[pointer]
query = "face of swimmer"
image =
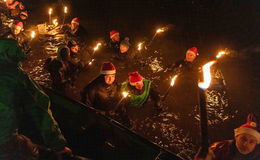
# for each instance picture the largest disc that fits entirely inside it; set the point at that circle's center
(245, 143)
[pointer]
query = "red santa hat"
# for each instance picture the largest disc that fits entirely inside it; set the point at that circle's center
(134, 77)
(193, 50)
(17, 23)
(113, 33)
(75, 20)
(108, 68)
(250, 127)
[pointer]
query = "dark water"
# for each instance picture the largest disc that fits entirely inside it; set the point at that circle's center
(177, 132)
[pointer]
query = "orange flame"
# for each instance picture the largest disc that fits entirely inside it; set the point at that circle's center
(55, 22)
(125, 94)
(220, 54)
(50, 11)
(140, 46)
(160, 30)
(97, 46)
(173, 80)
(33, 34)
(206, 75)
(65, 9)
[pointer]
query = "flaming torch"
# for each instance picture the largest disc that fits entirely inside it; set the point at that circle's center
(168, 89)
(203, 110)
(96, 48)
(124, 95)
(91, 62)
(55, 22)
(140, 46)
(50, 13)
(158, 31)
(33, 34)
(220, 54)
(65, 11)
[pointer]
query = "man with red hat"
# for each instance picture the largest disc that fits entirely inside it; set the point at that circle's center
(75, 30)
(141, 93)
(114, 40)
(185, 90)
(16, 33)
(245, 146)
(102, 92)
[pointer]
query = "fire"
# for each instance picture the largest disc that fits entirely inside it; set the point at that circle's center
(90, 63)
(55, 22)
(4, 0)
(50, 11)
(140, 46)
(65, 9)
(160, 30)
(206, 75)
(173, 80)
(33, 34)
(125, 94)
(97, 46)
(220, 54)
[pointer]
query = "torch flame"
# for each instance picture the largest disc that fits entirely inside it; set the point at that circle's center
(50, 11)
(160, 30)
(206, 75)
(140, 46)
(97, 46)
(173, 80)
(4, 0)
(33, 34)
(65, 9)
(125, 94)
(55, 22)
(90, 63)
(220, 54)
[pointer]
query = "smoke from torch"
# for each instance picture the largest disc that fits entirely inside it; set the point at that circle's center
(206, 75)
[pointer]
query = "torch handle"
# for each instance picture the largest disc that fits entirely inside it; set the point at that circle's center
(166, 94)
(203, 124)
